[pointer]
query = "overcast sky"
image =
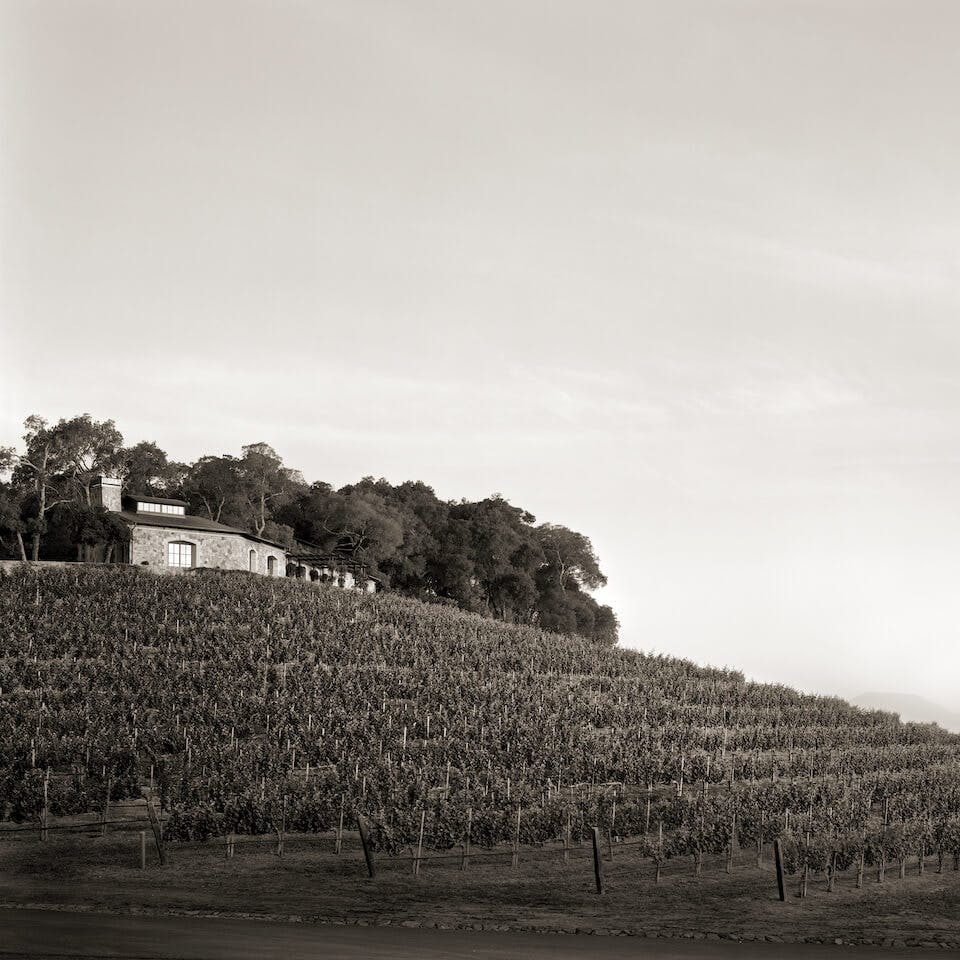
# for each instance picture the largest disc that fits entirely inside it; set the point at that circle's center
(680, 275)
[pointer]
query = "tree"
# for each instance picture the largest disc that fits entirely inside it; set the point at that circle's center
(41, 470)
(420, 515)
(90, 527)
(144, 468)
(486, 556)
(94, 450)
(513, 597)
(212, 485)
(12, 502)
(495, 541)
(61, 463)
(451, 570)
(265, 484)
(369, 529)
(569, 556)
(279, 533)
(606, 626)
(355, 523)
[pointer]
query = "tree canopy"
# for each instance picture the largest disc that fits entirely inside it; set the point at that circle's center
(488, 556)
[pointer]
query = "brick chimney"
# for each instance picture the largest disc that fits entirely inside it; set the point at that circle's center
(105, 492)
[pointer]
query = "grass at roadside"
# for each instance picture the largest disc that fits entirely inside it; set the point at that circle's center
(543, 892)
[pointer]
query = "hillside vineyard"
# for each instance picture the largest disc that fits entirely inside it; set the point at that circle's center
(244, 700)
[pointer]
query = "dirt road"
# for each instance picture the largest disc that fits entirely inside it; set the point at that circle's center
(53, 935)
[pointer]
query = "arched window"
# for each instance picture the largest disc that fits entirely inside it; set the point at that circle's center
(253, 561)
(180, 553)
(271, 566)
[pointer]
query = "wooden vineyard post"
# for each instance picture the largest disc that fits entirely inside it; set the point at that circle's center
(805, 875)
(656, 878)
(831, 876)
(778, 859)
(566, 840)
(45, 812)
(515, 859)
(143, 849)
(734, 843)
(156, 826)
(760, 841)
(106, 805)
(416, 862)
(339, 843)
(610, 833)
(367, 850)
(465, 855)
(882, 868)
(699, 867)
(281, 829)
(597, 864)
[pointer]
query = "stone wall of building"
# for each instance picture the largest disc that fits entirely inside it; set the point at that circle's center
(224, 551)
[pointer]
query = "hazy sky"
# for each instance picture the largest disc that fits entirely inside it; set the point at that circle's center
(682, 275)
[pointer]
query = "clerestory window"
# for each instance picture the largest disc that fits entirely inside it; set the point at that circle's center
(170, 508)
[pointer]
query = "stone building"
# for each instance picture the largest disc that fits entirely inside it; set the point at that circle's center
(164, 537)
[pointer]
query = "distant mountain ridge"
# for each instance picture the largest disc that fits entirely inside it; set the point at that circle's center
(911, 708)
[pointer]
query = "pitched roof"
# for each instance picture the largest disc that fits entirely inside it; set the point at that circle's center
(173, 521)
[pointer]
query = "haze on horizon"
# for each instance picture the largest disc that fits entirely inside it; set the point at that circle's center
(681, 276)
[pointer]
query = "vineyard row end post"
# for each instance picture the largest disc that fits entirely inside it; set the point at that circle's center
(597, 862)
(367, 849)
(778, 858)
